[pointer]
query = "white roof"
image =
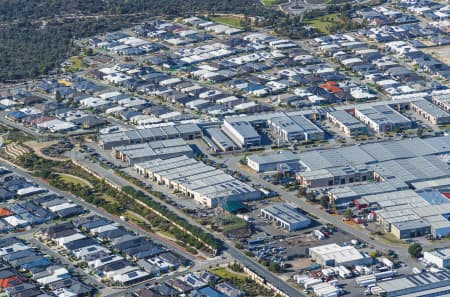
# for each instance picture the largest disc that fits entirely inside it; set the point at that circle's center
(28, 190)
(15, 221)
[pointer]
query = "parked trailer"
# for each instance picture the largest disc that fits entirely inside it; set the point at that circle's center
(365, 281)
(319, 287)
(311, 282)
(334, 282)
(330, 291)
(385, 274)
(344, 272)
(327, 272)
(300, 279)
(363, 270)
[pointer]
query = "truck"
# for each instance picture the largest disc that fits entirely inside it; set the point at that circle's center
(318, 234)
(388, 263)
(344, 272)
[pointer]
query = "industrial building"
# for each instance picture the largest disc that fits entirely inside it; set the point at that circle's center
(220, 139)
(382, 118)
(336, 255)
(441, 99)
(373, 153)
(333, 176)
(285, 216)
(424, 284)
(163, 149)
(409, 214)
(242, 133)
(289, 128)
(438, 257)
(205, 184)
(346, 194)
(271, 162)
(346, 123)
(185, 131)
(430, 112)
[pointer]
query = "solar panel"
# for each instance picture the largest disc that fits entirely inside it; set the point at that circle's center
(132, 274)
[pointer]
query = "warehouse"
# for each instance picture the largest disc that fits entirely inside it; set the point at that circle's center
(185, 131)
(220, 139)
(347, 123)
(347, 194)
(271, 162)
(333, 176)
(422, 284)
(242, 133)
(409, 214)
(430, 112)
(336, 255)
(378, 152)
(163, 149)
(438, 257)
(412, 169)
(205, 184)
(383, 118)
(295, 128)
(442, 100)
(286, 216)
(410, 228)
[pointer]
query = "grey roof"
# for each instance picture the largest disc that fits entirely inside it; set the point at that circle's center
(347, 119)
(220, 138)
(383, 114)
(286, 213)
(431, 109)
(277, 157)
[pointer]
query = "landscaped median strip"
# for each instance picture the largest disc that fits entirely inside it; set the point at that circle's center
(125, 197)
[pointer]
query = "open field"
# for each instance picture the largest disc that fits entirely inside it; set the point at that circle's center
(71, 179)
(226, 273)
(269, 3)
(229, 20)
(322, 23)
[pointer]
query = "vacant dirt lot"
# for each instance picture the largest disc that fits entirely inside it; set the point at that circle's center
(441, 53)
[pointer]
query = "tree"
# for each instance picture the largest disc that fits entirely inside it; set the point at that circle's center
(415, 250)
(373, 254)
(302, 192)
(349, 213)
(275, 267)
(324, 201)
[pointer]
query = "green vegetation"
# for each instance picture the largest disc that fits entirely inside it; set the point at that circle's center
(73, 180)
(269, 3)
(242, 281)
(415, 250)
(233, 21)
(76, 63)
(225, 273)
(232, 223)
(324, 23)
(118, 202)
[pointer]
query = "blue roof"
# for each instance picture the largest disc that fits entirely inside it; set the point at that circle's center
(433, 197)
(16, 114)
